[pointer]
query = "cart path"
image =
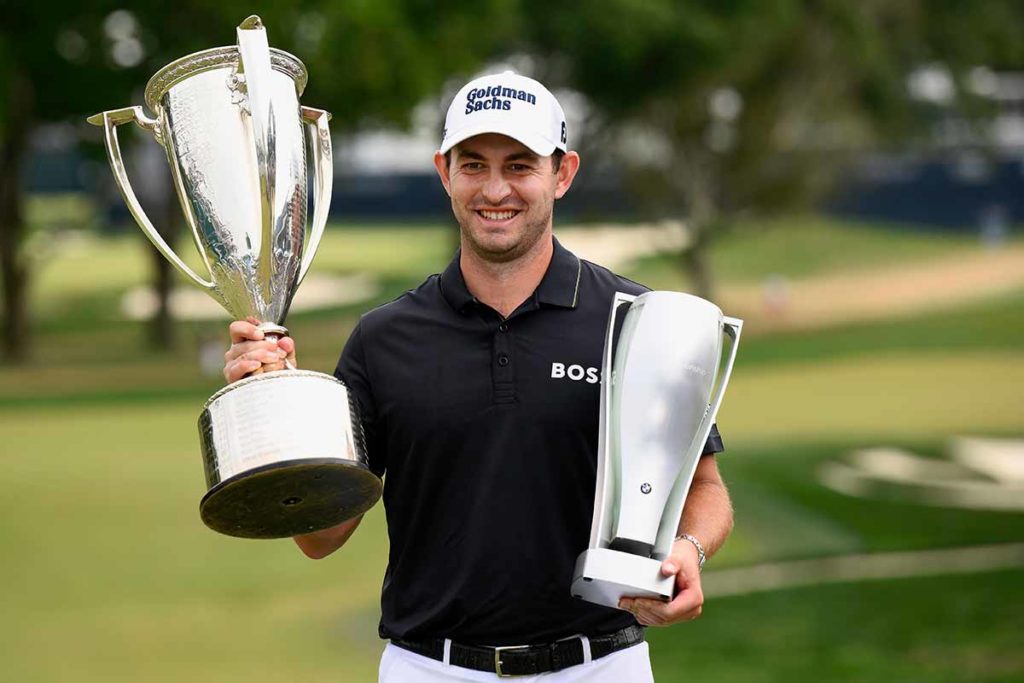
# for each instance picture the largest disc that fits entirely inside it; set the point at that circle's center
(862, 567)
(886, 292)
(827, 299)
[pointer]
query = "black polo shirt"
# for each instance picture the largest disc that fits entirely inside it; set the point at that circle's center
(486, 429)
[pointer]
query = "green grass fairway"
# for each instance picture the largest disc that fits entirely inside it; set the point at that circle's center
(994, 324)
(109, 574)
(897, 395)
(784, 513)
(803, 246)
(108, 564)
(946, 629)
(109, 559)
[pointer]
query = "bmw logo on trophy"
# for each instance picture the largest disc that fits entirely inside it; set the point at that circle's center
(283, 451)
(658, 402)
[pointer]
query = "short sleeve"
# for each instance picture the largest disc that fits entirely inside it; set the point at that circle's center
(714, 443)
(353, 371)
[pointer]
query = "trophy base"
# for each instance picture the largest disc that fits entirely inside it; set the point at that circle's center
(604, 576)
(284, 455)
(289, 498)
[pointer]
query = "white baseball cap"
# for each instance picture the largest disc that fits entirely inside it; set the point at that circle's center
(509, 104)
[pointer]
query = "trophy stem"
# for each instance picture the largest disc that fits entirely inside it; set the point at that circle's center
(272, 330)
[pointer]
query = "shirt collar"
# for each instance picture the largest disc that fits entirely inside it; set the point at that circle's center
(561, 283)
(559, 286)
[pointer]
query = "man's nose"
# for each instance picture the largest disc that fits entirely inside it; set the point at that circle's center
(496, 189)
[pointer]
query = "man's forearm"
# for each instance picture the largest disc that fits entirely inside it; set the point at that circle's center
(707, 514)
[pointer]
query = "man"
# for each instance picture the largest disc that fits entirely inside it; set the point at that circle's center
(488, 452)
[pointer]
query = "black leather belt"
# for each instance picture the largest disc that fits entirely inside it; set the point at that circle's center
(525, 660)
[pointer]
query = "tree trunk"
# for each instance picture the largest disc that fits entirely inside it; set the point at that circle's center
(702, 218)
(14, 271)
(696, 261)
(162, 334)
(161, 325)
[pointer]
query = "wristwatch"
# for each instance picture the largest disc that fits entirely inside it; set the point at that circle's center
(701, 557)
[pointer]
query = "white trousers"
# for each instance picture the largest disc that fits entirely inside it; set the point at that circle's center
(632, 665)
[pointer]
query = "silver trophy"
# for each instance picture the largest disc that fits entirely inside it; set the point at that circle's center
(659, 399)
(283, 451)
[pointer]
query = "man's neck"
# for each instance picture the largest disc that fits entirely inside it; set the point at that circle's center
(503, 286)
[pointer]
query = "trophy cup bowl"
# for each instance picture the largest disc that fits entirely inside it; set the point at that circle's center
(283, 451)
(658, 403)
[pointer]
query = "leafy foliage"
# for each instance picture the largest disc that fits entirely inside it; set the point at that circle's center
(369, 62)
(722, 108)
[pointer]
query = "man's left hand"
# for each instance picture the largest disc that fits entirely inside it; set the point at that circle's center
(689, 599)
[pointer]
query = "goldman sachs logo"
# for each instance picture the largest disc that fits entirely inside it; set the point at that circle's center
(496, 97)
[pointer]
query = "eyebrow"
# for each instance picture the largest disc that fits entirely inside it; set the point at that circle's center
(523, 156)
(518, 156)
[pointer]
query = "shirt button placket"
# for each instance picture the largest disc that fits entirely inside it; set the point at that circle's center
(504, 386)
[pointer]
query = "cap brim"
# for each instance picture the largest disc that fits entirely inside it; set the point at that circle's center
(537, 144)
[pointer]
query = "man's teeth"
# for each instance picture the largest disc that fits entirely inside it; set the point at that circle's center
(498, 215)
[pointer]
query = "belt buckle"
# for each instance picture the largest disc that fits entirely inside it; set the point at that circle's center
(497, 659)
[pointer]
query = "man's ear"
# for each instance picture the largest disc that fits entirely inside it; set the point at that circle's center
(566, 172)
(441, 164)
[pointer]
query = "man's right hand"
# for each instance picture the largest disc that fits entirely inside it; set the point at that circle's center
(251, 353)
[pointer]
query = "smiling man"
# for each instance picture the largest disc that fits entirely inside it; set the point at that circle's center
(504, 214)
(479, 397)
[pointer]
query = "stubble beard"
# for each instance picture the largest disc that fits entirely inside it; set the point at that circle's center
(531, 235)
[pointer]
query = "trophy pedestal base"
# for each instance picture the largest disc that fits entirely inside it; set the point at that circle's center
(284, 455)
(289, 498)
(604, 576)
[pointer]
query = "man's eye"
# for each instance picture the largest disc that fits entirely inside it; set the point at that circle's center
(519, 168)
(472, 166)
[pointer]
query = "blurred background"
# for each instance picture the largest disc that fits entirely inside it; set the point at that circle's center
(847, 176)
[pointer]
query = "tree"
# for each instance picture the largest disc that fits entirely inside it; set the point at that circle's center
(60, 61)
(369, 63)
(739, 106)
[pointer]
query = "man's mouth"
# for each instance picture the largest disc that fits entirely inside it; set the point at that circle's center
(503, 215)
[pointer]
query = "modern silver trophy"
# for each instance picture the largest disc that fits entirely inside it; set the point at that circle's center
(283, 451)
(659, 399)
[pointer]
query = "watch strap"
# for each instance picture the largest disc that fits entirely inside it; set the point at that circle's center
(701, 556)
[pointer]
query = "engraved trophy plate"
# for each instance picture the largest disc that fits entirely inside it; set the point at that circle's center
(283, 451)
(658, 403)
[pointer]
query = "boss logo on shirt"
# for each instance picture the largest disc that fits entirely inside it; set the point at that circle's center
(576, 373)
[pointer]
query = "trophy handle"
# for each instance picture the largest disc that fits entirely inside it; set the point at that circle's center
(323, 180)
(732, 327)
(110, 120)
